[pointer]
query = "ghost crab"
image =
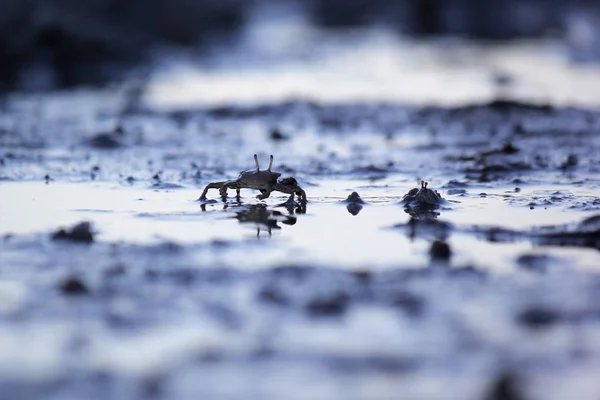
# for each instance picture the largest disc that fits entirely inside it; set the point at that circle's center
(423, 197)
(266, 181)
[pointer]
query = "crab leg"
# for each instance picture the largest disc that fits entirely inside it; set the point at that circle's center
(302, 195)
(270, 163)
(212, 185)
(229, 185)
(256, 161)
(264, 194)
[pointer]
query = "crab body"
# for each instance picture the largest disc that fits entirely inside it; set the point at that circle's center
(422, 197)
(252, 179)
(266, 181)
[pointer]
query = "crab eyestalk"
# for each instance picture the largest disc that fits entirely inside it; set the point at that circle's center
(270, 163)
(256, 162)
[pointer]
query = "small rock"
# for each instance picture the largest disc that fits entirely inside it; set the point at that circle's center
(502, 79)
(273, 295)
(82, 233)
(570, 162)
(409, 302)
(509, 148)
(277, 136)
(454, 184)
(354, 197)
(538, 318)
(333, 305)
(105, 141)
(74, 287)
(114, 271)
(456, 191)
(505, 387)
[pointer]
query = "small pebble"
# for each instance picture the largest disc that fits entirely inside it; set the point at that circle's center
(538, 318)
(505, 387)
(277, 136)
(329, 306)
(74, 287)
(82, 233)
(354, 197)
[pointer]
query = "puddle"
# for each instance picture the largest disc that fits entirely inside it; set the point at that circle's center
(327, 234)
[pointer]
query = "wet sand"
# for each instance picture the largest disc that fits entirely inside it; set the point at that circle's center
(164, 296)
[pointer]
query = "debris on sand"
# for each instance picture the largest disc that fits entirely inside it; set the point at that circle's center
(73, 286)
(277, 136)
(107, 141)
(538, 317)
(505, 387)
(331, 305)
(80, 233)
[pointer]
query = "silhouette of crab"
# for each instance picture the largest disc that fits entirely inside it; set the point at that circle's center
(266, 181)
(423, 197)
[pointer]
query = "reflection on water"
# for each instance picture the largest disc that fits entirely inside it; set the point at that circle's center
(354, 208)
(422, 213)
(263, 217)
(290, 205)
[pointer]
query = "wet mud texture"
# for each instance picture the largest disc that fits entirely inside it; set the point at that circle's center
(83, 317)
(47, 44)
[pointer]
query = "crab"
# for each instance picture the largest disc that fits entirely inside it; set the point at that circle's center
(423, 197)
(266, 181)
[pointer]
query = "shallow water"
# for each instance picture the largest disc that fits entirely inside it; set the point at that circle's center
(327, 234)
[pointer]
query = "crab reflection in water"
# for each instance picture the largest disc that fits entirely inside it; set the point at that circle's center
(263, 217)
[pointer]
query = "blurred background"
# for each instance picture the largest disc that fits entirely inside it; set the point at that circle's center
(53, 44)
